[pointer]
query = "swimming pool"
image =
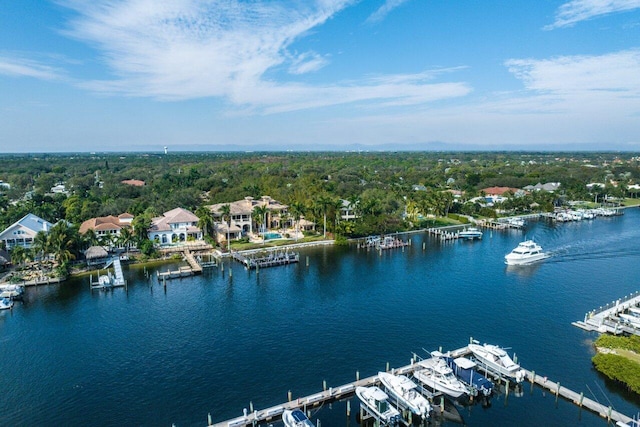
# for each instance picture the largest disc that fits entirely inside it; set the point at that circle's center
(272, 235)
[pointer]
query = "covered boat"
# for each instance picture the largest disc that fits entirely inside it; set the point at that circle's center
(465, 369)
(296, 418)
(405, 392)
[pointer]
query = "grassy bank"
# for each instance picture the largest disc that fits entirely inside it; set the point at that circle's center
(619, 359)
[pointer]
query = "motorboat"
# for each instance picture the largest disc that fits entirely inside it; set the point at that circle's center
(516, 222)
(526, 252)
(465, 369)
(435, 374)
(497, 360)
(470, 233)
(376, 402)
(13, 292)
(6, 303)
(406, 393)
(296, 418)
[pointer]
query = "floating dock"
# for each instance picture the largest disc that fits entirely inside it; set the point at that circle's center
(607, 319)
(273, 413)
(109, 281)
(268, 259)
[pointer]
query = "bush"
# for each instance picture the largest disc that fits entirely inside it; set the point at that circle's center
(619, 368)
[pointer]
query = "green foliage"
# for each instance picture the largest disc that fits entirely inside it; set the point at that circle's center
(619, 368)
(631, 343)
(341, 241)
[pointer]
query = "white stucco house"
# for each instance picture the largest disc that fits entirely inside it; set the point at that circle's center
(176, 225)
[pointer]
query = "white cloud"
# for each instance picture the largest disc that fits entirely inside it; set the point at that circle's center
(384, 10)
(189, 49)
(307, 62)
(581, 10)
(21, 67)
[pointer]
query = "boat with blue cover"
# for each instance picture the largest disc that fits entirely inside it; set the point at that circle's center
(465, 369)
(296, 418)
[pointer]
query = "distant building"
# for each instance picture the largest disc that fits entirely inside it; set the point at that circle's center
(22, 232)
(549, 186)
(133, 182)
(5, 185)
(347, 212)
(497, 194)
(176, 225)
(59, 189)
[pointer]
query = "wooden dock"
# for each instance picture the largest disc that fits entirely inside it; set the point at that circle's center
(196, 268)
(606, 412)
(268, 259)
(253, 416)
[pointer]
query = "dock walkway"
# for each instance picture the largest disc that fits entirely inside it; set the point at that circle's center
(346, 390)
(606, 319)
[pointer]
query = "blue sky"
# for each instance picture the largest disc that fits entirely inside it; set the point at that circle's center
(115, 75)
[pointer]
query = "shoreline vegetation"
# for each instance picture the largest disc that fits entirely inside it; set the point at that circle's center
(618, 358)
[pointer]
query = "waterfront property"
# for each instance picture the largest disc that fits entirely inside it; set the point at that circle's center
(23, 231)
(613, 317)
(107, 227)
(176, 225)
(242, 217)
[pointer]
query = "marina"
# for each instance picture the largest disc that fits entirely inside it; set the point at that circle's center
(218, 344)
(369, 387)
(612, 318)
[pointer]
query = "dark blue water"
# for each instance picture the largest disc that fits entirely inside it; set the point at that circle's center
(214, 343)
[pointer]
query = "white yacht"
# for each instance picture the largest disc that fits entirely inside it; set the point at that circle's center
(377, 403)
(496, 359)
(526, 252)
(296, 418)
(470, 233)
(438, 376)
(405, 391)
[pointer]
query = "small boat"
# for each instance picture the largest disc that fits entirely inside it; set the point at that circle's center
(516, 222)
(470, 233)
(405, 392)
(497, 360)
(465, 369)
(13, 292)
(5, 304)
(376, 402)
(296, 418)
(438, 376)
(526, 252)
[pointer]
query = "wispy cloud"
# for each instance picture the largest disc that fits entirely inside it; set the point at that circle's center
(575, 11)
(21, 67)
(188, 49)
(384, 10)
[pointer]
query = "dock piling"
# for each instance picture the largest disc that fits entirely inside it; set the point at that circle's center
(209, 420)
(289, 396)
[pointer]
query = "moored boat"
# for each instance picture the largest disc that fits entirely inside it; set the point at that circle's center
(5, 303)
(470, 233)
(405, 392)
(436, 375)
(376, 402)
(465, 369)
(497, 360)
(296, 418)
(526, 252)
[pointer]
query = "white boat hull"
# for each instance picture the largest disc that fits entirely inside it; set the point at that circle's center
(525, 260)
(432, 384)
(403, 390)
(375, 400)
(497, 360)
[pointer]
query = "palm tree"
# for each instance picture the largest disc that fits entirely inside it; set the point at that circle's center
(61, 239)
(323, 202)
(90, 237)
(18, 255)
(260, 211)
(125, 238)
(205, 219)
(40, 244)
(225, 210)
(297, 210)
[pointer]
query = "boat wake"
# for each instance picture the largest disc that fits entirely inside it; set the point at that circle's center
(568, 256)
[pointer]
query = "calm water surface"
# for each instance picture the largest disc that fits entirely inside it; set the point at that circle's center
(213, 343)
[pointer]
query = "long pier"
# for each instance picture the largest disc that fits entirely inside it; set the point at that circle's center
(253, 416)
(607, 318)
